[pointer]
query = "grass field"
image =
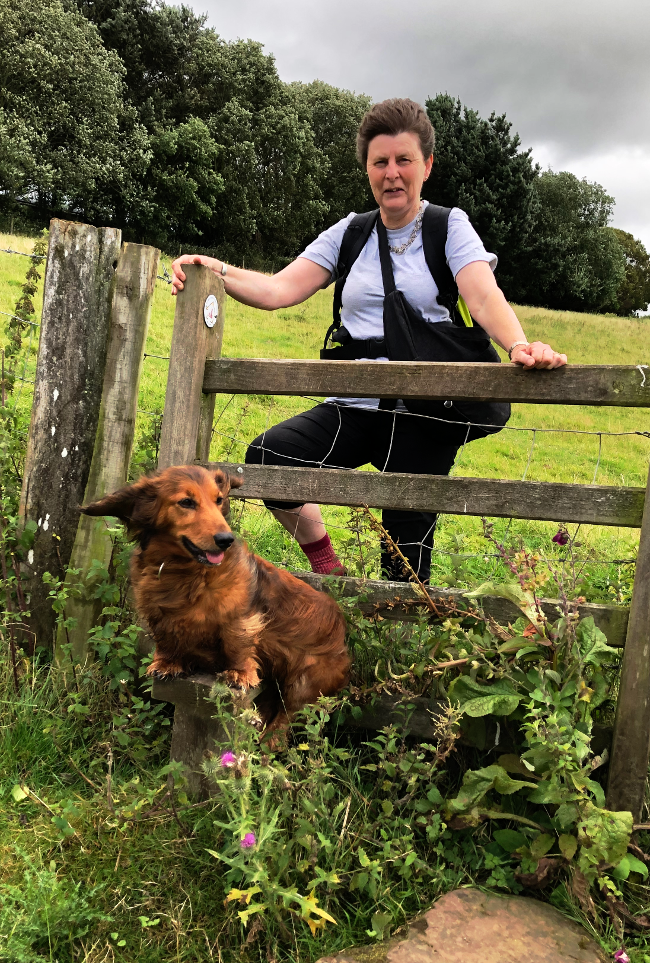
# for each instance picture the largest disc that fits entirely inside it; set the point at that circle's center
(566, 446)
(94, 866)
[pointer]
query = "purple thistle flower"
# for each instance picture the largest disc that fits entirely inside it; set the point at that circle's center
(621, 957)
(561, 538)
(248, 841)
(228, 759)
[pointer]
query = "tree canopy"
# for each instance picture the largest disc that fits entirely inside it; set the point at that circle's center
(574, 260)
(479, 167)
(68, 139)
(135, 113)
(634, 293)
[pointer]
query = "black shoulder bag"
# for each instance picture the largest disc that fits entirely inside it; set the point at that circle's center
(409, 337)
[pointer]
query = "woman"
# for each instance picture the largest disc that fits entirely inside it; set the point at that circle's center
(395, 145)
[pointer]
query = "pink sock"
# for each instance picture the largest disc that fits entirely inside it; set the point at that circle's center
(322, 557)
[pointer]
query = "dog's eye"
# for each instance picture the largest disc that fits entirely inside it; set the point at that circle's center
(220, 500)
(187, 503)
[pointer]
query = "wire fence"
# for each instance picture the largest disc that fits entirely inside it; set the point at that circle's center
(352, 527)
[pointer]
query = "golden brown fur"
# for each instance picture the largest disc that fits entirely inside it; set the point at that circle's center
(241, 615)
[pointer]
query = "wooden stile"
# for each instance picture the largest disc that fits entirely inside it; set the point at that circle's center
(135, 282)
(77, 297)
(192, 342)
(402, 601)
(491, 497)
(618, 385)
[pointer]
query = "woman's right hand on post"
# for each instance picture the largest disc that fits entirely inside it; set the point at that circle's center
(179, 275)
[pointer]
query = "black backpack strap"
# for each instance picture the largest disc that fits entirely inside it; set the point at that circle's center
(354, 240)
(434, 238)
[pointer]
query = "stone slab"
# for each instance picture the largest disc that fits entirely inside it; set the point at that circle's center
(469, 926)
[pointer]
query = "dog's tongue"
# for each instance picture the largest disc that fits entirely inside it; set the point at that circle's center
(214, 558)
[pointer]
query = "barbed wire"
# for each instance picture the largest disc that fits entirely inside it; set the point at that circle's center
(36, 257)
(16, 317)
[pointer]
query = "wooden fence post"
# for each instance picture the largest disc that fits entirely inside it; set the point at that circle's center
(628, 767)
(135, 281)
(198, 331)
(79, 281)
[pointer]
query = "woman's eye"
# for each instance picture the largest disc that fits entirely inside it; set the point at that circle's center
(187, 503)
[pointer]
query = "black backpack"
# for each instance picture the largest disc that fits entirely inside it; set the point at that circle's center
(459, 339)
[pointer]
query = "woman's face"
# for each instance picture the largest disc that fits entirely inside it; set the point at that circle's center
(397, 170)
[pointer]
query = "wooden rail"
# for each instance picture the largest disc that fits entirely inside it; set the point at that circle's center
(539, 501)
(617, 385)
(402, 601)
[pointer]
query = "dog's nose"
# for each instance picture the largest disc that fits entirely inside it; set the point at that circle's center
(224, 540)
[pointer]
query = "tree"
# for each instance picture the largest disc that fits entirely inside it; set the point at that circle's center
(479, 167)
(575, 261)
(334, 116)
(251, 184)
(67, 139)
(634, 292)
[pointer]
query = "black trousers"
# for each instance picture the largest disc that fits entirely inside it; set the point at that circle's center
(343, 436)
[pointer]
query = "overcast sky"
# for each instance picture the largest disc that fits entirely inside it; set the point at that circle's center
(573, 76)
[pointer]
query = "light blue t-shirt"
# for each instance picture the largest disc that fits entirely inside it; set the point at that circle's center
(363, 294)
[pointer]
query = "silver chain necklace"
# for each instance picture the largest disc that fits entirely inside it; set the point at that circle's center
(417, 227)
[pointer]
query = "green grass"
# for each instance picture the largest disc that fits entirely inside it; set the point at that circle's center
(92, 896)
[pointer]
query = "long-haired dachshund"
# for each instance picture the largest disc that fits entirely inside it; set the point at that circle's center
(211, 605)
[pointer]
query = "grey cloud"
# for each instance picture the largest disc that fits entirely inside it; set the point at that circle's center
(572, 76)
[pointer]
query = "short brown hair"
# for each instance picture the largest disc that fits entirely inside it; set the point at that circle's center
(399, 115)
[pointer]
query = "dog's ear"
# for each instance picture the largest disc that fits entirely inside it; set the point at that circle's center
(135, 505)
(226, 481)
(236, 481)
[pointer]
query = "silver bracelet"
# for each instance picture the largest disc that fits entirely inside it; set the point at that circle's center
(224, 269)
(515, 345)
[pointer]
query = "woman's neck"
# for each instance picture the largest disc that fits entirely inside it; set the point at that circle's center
(393, 220)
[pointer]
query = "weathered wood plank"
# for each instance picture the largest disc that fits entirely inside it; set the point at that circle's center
(135, 280)
(79, 282)
(196, 730)
(192, 341)
(628, 769)
(213, 352)
(618, 385)
(400, 601)
(494, 498)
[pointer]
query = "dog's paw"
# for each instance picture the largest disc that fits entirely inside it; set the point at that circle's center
(165, 672)
(241, 679)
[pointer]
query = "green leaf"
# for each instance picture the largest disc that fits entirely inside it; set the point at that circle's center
(637, 865)
(524, 601)
(541, 845)
(607, 835)
(509, 839)
(478, 782)
(622, 870)
(379, 922)
(475, 699)
(433, 795)
(593, 644)
(19, 793)
(568, 845)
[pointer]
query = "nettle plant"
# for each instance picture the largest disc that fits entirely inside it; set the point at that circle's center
(321, 833)
(307, 833)
(138, 724)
